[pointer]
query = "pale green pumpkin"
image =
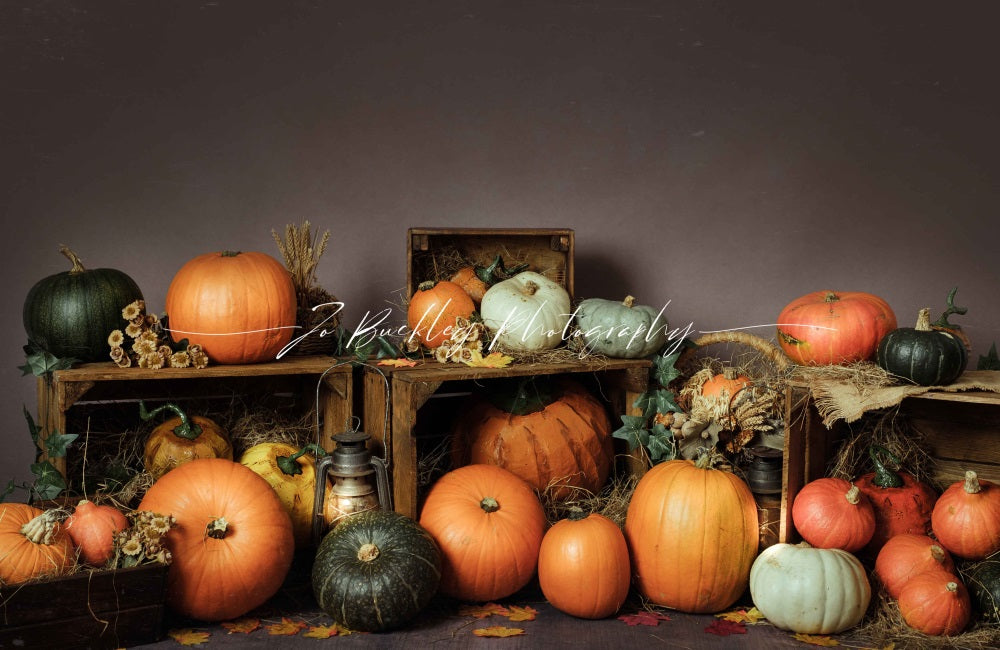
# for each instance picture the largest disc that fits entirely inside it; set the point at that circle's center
(622, 330)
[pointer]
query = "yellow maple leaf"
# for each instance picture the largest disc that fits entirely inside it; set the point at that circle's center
(747, 616)
(816, 639)
(491, 360)
(242, 625)
(498, 631)
(322, 631)
(287, 627)
(188, 636)
(398, 363)
(518, 614)
(482, 611)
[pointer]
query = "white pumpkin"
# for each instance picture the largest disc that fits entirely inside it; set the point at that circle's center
(526, 312)
(809, 590)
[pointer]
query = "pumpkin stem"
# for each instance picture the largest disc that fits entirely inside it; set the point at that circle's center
(489, 504)
(426, 285)
(923, 320)
(368, 552)
(853, 495)
(72, 257)
(287, 464)
(576, 513)
(629, 301)
(937, 553)
(729, 373)
(708, 458)
(831, 297)
(41, 529)
(217, 528)
(522, 396)
(951, 309)
(530, 287)
(972, 485)
(486, 274)
(230, 253)
(884, 477)
(952, 587)
(186, 429)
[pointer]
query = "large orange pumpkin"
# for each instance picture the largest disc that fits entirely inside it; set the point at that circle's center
(693, 534)
(556, 436)
(834, 327)
(240, 307)
(232, 544)
(488, 524)
(966, 517)
(32, 544)
(583, 565)
(432, 311)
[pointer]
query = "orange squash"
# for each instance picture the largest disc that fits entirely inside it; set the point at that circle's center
(833, 327)
(240, 307)
(32, 544)
(432, 311)
(906, 555)
(557, 436)
(693, 535)
(966, 517)
(935, 603)
(726, 383)
(488, 524)
(181, 439)
(92, 529)
(232, 544)
(583, 565)
(833, 513)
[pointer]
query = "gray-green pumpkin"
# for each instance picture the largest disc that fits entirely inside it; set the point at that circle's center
(375, 571)
(623, 330)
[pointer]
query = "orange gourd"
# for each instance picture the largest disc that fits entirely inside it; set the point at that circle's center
(966, 517)
(433, 309)
(935, 603)
(471, 283)
(232, 544)
(181, 439)
(557, 436)
(906, 555)
(240, 307)
(488, 524)
(583, 565)
(32, 544)
(693, 534)
(834, 327)
(833, 513)
(725, 385)
(92, 529)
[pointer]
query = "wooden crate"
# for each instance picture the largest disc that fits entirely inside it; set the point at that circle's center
(548, 251)
(393, 398)
(960, 430)
(292, 381)
(89, 609)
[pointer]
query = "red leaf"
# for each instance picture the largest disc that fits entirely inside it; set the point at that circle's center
(723, 627)
(644, 617)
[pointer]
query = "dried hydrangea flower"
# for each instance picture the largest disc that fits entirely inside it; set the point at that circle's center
(133, 309)
(133, 331)
(180, 359)
(116, 338)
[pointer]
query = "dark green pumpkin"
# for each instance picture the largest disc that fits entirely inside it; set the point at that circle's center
(921, 354)
(70, 314)
(375, 571)
(984, 587)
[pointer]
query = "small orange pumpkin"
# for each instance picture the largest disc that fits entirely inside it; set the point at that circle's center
(935, 603)
(467, 278)
(92, 529)
(726, 384)
(488, 524)
(583, 565)
(181, 439)
(966, 517)
(433, 309)
(32, 544)
(907, 554)
(833, 513)
(240, 307)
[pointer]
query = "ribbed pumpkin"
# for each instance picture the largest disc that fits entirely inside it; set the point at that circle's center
(907, 554)
(240, 307)
(92, 529)
(181, 439)
(292, 474)
(583, 565)
(726, 384)
(70, 314)
(375, 571)
(935, 603)
(432, 310)
(901, 503)
(984, 588)
(692, 532)
(488, 524)
(623, 329)
(554, 435)
(833, 327)
(922, 354)
(833, 513)
(966, 518)
(232, 544)
(527, 312)
(32, 544)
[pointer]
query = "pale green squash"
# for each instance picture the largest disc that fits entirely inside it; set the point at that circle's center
(622, 330)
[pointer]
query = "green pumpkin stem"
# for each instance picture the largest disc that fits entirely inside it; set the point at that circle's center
(831, 297)
(884, 477)
(522, 396)
(489, 504)
(576, 513)
(72, 257)
(217, 528)
(972, 485)
(187, 429)
(951, 309)
(230, 253)
(426, 285)
(287, 464)
(368, 552)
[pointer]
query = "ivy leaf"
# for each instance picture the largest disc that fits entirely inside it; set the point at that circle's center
(32, 427)
(498, 631)
(633, 431)
(990, 361)
(48, 481)
(189, 637)
(518, 613)
(56, 443)
(656, 401)
(242, 625)
(722, 627)
(41, 363)
(664, 371)
(661, 444)
(11, 486)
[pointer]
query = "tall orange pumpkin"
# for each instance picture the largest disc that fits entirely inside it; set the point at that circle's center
(834, 327)
(693, 534)
(432, 311)
(240, 307)
(554, 436)
(32, 544)
(488, 524)
(232, 544)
